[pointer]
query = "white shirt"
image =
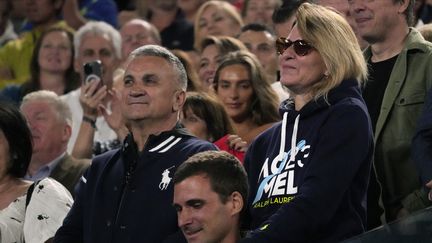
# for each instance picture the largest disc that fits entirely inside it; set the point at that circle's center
(103, 133)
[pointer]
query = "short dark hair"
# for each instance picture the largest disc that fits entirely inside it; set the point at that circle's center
(258, 27)
(225, 172)
(286, 11)
(208, 108)
(18, 135)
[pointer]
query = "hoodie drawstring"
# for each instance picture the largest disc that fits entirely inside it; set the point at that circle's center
(293, 151)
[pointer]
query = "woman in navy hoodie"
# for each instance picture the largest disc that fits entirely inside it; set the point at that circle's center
(308, 174)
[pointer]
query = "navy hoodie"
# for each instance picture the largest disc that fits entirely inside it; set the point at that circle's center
(126, 196)
(318, 192)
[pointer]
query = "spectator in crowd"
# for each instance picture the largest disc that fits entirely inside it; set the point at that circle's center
(7, 31)
(50, 122)
(77, 12)
(216, 18)
(210, 193)
(258, 11)
(15, 56)
(194, 83)
(28, 212)
(342, 7)
(260, 40)
(51, 66)
(283, 17)
(190, 8)
(136, 33)
(241, 85)
(92, 133)
(176, 32)
(212, 51)
(205, 117)
(302, 188)
(399, 65)
(111, 194)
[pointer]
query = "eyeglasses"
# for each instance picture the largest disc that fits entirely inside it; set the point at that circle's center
(301, 47)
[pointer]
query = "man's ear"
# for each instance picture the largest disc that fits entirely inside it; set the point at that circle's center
(67, 132)
(237, 203)
(179, 100)
(403, 5)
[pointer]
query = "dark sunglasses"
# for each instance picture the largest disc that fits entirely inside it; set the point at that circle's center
(301, 47)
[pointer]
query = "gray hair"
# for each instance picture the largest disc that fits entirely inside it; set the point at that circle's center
(98, 28)
(158, 51)
(61, 108)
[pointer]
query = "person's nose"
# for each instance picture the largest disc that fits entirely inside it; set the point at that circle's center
(355, 6)
(184, 217)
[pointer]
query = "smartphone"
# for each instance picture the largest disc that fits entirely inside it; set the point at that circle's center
(93, 70)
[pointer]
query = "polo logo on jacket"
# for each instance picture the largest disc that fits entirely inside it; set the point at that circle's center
(163, 185)
(277, 184)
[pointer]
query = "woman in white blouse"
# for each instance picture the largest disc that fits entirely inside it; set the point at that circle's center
(26, 215)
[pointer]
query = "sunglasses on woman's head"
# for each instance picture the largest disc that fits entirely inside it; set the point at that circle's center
(301, 47)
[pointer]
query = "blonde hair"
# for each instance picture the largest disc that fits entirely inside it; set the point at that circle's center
(226, 7)
(331, 35)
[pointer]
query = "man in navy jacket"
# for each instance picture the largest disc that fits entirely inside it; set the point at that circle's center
(126, 195)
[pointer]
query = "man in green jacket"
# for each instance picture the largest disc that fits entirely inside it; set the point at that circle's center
(400, 62)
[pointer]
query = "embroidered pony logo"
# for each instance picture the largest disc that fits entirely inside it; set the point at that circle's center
(163, 185)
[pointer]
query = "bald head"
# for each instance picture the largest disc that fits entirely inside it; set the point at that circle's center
(136, 33)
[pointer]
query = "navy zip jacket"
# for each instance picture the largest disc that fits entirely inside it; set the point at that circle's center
(308, 174)
(126, 196)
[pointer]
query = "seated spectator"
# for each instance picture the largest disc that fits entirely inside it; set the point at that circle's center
(91, 133)
(212, 50)
(302, 186)
(258, 11)
(242, 87)
(28, 212)
(50, 122)
(16, 55)
(261, 41)
(210, 193)
(194, 83)
(51, 66)
(205, 117)
(7, 31)
(216, 18)
(126, 185)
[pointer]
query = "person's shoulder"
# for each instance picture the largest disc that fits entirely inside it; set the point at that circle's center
(416, 41)
(74, 163)
(194, 143)
(72, 95)
(51, 186)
